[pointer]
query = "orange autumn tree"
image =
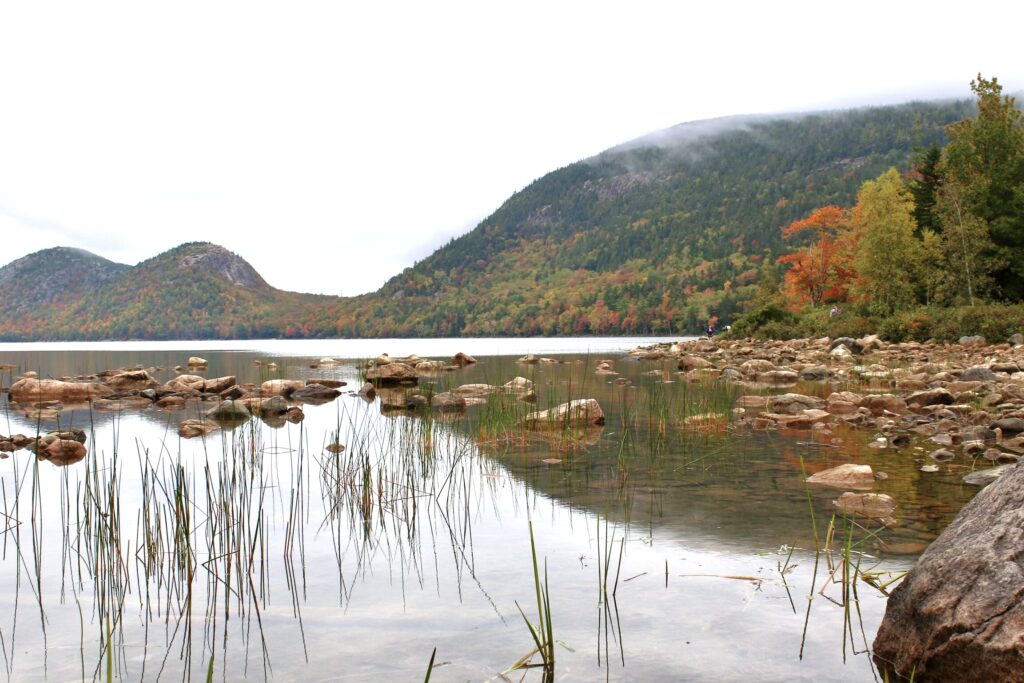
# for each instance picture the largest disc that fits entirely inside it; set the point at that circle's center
(821, 271)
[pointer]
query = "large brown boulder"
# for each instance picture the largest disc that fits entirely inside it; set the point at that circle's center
(218, 384)
(186, 383)
(391, 374)
(131, 380)
(280, 387)
(30, 390)
(959, 613)
(578, 413)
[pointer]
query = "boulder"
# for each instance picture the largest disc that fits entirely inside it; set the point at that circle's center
(942, 455)
(987, 476)
(280, 387)
(186, 383)
(756, 366)
(778, 377)
(880, 403)
(851, 344)
(850, 475)
(530, 359)
(871, 505)
(973, 340)
(518, 385)
(189, 429)
(131, 380)
(931, 397)
(330, 383)
(1009, 425)
(978, 373)
(447, 402)
(814, 373)
(314, 393)
(171, 402)
(391, 374)
(229, 411)
(218, 384)
(793, 403)
(1016, 339)
(694, 363)
(476, 390)
(197, 362)
(367, 392)
(842, 402)
(959, 613)
(840, 352)
(581, 412)
(62, 451)
(31, 390)
(463, 359)
(271, 407)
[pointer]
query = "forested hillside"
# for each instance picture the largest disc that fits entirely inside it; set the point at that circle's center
(653, 236)
(650, 237)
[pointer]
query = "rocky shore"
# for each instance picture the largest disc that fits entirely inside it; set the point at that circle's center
(966, 399)
(958, 614)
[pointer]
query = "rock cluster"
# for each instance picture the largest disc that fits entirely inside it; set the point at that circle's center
(966, 397)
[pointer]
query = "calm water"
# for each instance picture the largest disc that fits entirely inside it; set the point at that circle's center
(260, 553)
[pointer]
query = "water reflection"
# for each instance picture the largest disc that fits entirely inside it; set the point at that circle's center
(262, 550)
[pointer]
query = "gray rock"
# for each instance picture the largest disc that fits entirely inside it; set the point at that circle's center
(814, 372)
(958, 614)
(973, 340)
(273, 406)
(229, 411)
(314, 393)
(987, 476)
(447, 402)
(1009, 425)
(931, 397)
(978, 373)
(1016, 339)
(849, 342)
(942, 455)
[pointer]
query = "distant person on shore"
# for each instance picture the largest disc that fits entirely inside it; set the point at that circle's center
(834, 312)
(711, 329)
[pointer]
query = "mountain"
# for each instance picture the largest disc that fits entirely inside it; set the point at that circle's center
(53, 277)
(196, 290)
(651, 236)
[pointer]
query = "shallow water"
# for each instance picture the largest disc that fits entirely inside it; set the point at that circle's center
(276, 558)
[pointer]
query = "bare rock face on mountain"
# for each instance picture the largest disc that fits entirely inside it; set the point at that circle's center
(959, 613)
(213, 259)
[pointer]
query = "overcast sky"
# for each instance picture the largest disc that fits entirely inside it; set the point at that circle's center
(333, 144)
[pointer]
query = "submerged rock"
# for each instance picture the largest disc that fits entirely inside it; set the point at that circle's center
(189, 429)
(987, 476)
(959, 613)
(872, 505)
(849, 475)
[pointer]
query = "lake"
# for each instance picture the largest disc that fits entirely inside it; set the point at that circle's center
(359, 541)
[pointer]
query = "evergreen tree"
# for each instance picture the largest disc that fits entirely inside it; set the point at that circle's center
(985, 157)
(926, 178)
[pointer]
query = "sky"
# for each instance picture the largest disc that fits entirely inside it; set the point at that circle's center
(333, 144)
